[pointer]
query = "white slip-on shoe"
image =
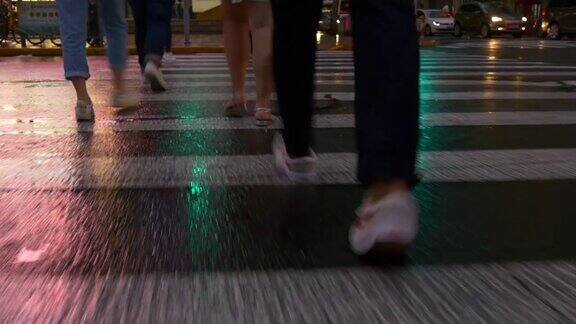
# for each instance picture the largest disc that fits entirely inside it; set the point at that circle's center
(84, 111)
(387, 226)
(299, 170)
(155, 77)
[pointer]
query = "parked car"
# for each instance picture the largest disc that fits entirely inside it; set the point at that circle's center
(436, 21)
(487, 19)
(559, 18)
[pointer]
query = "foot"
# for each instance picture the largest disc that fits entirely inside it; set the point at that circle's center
(154, 76)
(84, 111)
(299, 170)
(388, 225)
(263, 117)
(125, 100)
(235, 108)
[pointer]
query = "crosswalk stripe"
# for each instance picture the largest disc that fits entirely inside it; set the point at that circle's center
(165, 123)
(55, 173)
(104, 75)
(487, 82)
(423, 68)
(349, 96)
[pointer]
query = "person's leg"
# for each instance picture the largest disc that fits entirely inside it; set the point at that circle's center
(73, 30)
(115, 27)
(237, 46)
(386, 59)
(295, 26)
(261, 26)
(158, 13)
(139, 14)
(387, 96)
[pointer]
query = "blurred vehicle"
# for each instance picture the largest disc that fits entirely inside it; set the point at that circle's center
(559, 18)
(436, 21)
(487, 19)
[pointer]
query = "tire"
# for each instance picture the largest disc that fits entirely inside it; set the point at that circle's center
(56, 41)
(428, 30)
(457, 30)
(36, 42)
(485, 31)
(554, 31)
(517, 35)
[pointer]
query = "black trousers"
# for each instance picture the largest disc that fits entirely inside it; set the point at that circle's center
(152, 20)
(386, 59)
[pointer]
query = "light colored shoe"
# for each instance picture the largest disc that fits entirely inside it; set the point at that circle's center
(155, 77)
(263, 117)
(387, 226)
(84, 111)
(235, 110)
(299, 170)
(125, 101)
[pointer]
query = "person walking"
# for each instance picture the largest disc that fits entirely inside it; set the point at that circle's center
(243, 18)
(73, 16)
(152, 22)
(386, 59)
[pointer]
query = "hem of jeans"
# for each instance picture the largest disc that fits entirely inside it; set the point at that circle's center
(154, 58)
(369, 173)
(77, 74)
(118, 67)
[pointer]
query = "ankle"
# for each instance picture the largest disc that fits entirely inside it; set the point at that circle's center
(382, 188)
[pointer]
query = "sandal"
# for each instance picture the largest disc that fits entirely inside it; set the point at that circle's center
(235, 110)
(263, 117)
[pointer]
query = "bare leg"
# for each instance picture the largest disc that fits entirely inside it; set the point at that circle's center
(118, 80)
(237, 45)
(81, 91)
(261, 26)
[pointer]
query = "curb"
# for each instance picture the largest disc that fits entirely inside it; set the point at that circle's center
(178, 50)
(102, 51)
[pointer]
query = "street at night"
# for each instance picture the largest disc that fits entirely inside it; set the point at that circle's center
(172, 212)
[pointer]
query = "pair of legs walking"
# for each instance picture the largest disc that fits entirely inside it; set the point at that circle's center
(242, 19)
(386, 59)
(73, 15)
(152, 19)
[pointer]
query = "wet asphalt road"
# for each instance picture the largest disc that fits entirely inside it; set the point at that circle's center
(173, 213)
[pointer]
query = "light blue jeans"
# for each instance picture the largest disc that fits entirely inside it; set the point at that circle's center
(73, 15)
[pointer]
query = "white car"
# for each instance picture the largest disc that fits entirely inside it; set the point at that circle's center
(436, 21)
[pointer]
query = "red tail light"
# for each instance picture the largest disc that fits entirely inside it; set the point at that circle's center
(545, 12)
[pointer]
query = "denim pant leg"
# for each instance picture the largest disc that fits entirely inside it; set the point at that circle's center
(386, 58)
(295, 25)
(158, 15)
(113, 17)
(73, 16)
(139, 12)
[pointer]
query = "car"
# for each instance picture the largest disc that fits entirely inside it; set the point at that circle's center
(436, 21)
(487, 19)
(559, 18)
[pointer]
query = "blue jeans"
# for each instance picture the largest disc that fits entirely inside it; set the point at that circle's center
(73, 15)
(152, 19)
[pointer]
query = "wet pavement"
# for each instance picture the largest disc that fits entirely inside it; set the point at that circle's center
(174, 213)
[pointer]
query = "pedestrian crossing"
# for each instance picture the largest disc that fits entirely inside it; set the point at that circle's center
(179, 209)
(508, 43)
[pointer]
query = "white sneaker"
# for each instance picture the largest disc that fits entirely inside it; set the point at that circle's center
(154, 75)
(299, 170)
(390, 225)
(84, 111)
(125, 100)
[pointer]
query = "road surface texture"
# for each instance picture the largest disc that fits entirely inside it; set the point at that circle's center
(173, 213)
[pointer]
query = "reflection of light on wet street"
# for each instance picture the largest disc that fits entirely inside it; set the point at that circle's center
(319, 35)
(8, 108)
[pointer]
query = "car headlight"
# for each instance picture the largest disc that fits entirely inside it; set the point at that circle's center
(524, 19)
(435, 23)
(496, 19)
